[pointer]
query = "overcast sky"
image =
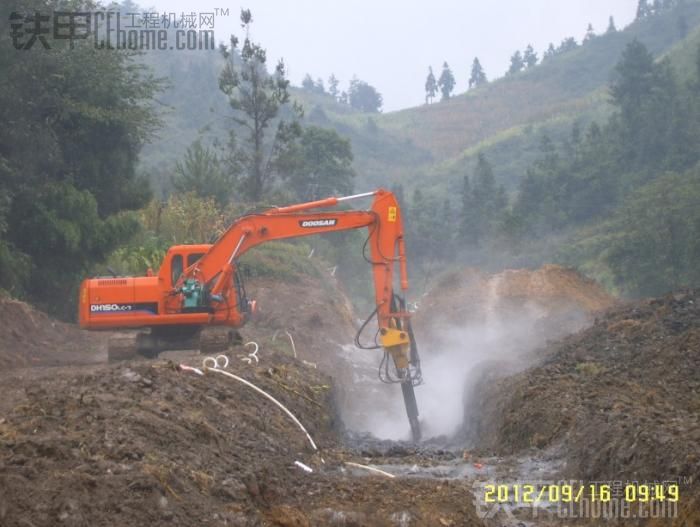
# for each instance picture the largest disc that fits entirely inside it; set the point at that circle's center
(391, 43)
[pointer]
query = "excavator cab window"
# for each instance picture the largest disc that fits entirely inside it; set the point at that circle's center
(176, 268)
(193, 258)
(243, 306)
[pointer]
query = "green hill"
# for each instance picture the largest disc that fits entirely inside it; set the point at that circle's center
(505, 119)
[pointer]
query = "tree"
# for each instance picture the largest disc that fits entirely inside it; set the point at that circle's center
(469, 215)
(643, 9)
(651, 243)
(333, 86)
(551, 51)
(256, 98)
(430, 86)
(477, 77)
(200, 172)
(76, 121)
(611, 26)
(529, 57)
(590, 34)
(516, 63)
(483, 204)
(446, 82)
(682, 25)
(319, 165)
(319, 86)
(308, 83)
(364, 97)
(650, 119)
(568, 44)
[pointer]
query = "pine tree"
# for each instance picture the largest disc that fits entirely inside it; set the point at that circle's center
(551, 51)
(529, 56)
(516, 63)
(308, 83)
(468, 215)
(319, 86)
(333, 86)
(642, 9)
(477, 77)
(682, 24)
(611, 26)
(200, 172)
(446, 83)
(590, 34)
(568, 44)
(430, 86)
(257, 98)
(483, 203)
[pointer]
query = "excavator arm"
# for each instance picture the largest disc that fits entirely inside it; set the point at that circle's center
(213, 273)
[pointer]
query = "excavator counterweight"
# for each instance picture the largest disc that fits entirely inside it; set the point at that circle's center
(198, 299)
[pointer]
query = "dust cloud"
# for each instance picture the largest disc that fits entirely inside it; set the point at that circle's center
(487, 325)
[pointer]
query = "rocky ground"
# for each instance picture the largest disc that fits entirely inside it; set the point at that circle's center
(83, 442)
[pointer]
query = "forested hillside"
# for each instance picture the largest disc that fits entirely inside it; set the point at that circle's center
(585, 156)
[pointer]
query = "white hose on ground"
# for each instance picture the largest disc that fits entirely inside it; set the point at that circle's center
(305, 468)
(254, 354)
(263, 392)
(294, 348)
(220, 361)
(185, 367)
(372, 469)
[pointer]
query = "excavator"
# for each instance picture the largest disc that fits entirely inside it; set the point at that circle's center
(198, 299)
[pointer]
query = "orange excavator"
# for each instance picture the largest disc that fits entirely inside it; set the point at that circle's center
(198, 299)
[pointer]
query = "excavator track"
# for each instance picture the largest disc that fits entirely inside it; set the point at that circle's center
(149, 345)
(122, 348)
(217, 340)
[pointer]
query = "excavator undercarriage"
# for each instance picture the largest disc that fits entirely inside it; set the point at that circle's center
(148, 344)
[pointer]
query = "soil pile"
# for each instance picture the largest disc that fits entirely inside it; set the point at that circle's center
(314, 311)
(621, 398)
(29, 337)
(143, 443)
(560, 300)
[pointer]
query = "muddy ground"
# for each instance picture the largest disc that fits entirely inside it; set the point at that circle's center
(88, 443)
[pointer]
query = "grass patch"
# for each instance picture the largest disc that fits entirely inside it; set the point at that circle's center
(280, 260)
(589, 369)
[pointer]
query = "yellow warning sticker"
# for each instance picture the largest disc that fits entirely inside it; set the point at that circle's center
(392, 215)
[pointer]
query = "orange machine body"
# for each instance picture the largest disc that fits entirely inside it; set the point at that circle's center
(110, 303)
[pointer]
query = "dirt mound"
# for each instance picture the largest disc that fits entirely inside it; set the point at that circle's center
(622, 398)
(143, 443)
(314, 311)
(29, 337)
(562, 298)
